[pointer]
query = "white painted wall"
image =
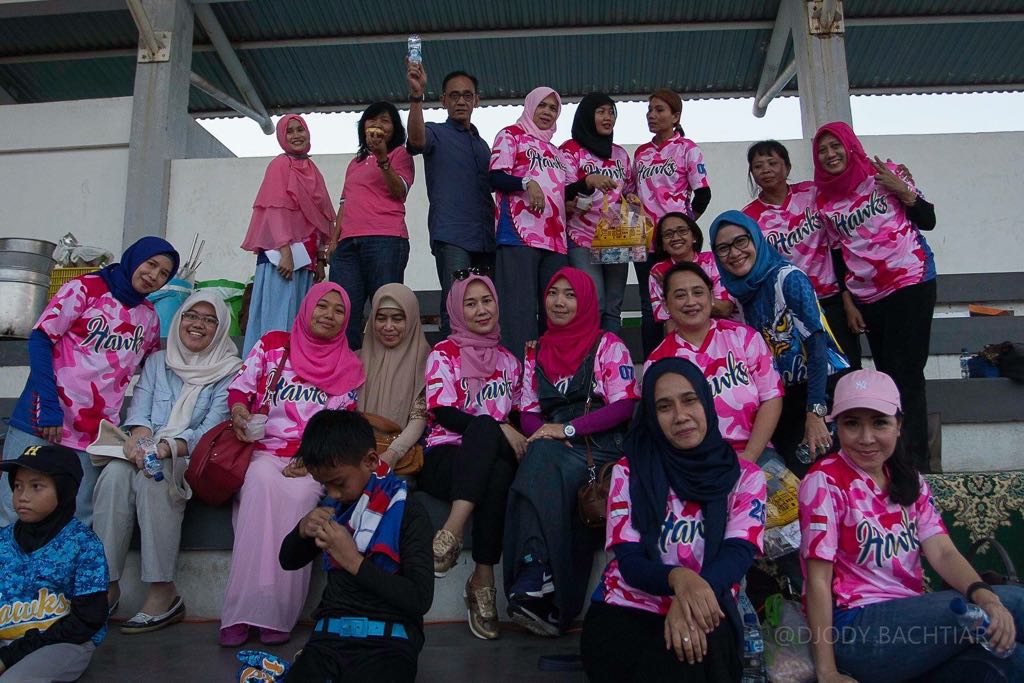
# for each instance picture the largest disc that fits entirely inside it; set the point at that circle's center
(966, 176)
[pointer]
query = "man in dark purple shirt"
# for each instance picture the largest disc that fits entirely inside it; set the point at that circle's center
(455, 158)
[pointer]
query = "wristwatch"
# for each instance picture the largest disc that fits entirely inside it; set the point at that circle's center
(819, 409)
(568, 430)
(415, 98)
(526, 181)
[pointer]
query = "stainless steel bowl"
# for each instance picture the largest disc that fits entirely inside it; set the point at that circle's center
(23, 297)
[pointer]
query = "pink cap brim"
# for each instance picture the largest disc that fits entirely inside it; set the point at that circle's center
(877, 404)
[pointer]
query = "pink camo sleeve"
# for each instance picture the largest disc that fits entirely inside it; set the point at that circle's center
(762, 367)
(620, 526)
(617, 377)
(247, 381)
(503, 153)
(819, 521)
(440, 381)
(657, 291)
(929, 519)
(66, 306)
(696, 173)
(529, 401)
(747, 506)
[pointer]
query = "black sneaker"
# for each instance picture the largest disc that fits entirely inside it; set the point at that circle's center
(534, 614)
(532, 581)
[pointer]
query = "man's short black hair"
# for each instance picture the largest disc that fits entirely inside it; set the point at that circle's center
(335, 437)
(456, 74)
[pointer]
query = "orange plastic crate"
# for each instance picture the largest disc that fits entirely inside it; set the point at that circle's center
(61, 276)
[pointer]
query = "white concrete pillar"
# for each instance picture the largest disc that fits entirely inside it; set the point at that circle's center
(160, 121)
(820, 53)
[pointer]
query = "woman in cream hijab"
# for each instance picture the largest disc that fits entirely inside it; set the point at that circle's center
(394, 355)
(181, 394)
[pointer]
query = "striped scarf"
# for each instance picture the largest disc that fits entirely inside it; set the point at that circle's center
(375, 520)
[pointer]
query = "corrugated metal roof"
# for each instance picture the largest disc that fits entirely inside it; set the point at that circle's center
(352, 51)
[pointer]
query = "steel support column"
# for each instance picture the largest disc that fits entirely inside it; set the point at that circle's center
(160, 122)
(820, 57)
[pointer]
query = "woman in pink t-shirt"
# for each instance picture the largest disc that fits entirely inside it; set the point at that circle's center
(670, 176)
(734, 358)
(876, 217)
(678, 239)
(685, 521)
(866, 519)
(291, 377)
(529, 175)
(472, 451)
(370, 246)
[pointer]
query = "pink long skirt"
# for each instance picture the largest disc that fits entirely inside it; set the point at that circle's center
(268, 507)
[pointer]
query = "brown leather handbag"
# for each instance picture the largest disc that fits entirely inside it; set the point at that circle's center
(385, 432)
(592, 497)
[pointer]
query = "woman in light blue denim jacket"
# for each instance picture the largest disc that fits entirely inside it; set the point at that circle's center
(181, 394)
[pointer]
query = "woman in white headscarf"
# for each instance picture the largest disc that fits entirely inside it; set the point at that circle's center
(181, 394)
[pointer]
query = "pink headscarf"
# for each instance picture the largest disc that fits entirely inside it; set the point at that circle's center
(478, 354)
(536, 96)
(327, 363)
(291, 182)
(858, 166)
(563, 348)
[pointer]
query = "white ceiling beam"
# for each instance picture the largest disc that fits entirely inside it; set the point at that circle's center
(781, 32)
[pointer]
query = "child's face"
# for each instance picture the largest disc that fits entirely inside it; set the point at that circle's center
(344, 482)
(35, 495)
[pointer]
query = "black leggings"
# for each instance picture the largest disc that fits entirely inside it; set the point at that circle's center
(480, 471)
(621, 644)
(342, 660)
(899, 332)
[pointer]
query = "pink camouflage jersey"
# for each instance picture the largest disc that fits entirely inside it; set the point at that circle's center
(292, 401)
(666, 175)
(614, 375)
(682, 533)
(522, 155)
(874, 545)
(883, 250)
(656, 283)
(797, 231)
(738, 365)
(98, 343)
(581, 162)
(446, 388)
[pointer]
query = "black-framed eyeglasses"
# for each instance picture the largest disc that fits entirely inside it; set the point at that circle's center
(464, 95)
(207, 320)
(739, 244)
(674, 233)
(463, 273)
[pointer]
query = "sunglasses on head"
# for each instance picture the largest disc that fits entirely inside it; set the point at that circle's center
(463, 273)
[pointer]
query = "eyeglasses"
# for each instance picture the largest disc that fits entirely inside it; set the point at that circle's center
(207, 320)
(678, 232)
(463, 273)
(739, 244)
(464, 95)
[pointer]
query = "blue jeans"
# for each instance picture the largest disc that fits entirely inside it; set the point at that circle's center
(899, 640)
(610, 281)
(362, 265)
(14, 445)
(448, 258)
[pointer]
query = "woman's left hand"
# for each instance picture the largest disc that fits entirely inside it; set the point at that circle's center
(549, 431)
(1001, 633)
(287, 264)
(337, 541)
(723, 308)
(516, 440)
(816, 435)
(893, 183)
(698, 602)
(294, 470)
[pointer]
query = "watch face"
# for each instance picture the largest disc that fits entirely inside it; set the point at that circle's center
(819, 410)
(569, 431)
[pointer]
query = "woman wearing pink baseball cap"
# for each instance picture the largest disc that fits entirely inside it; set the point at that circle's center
(866, 519)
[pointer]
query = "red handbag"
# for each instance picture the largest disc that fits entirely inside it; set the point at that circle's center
(219, 461)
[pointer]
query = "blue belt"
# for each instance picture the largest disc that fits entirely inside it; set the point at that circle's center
(360, 627)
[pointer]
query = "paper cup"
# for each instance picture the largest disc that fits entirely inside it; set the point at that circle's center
(256, 427)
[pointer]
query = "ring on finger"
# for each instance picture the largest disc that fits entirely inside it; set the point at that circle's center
(686, 639)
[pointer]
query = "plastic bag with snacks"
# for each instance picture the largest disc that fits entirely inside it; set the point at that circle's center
(780, 540)
(783, 487)
(623, 232)
(787, 647)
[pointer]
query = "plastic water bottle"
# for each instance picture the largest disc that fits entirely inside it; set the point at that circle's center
(965, 364)
(150, 461)
(974, 619)
(803, 453)
(754, 670)
(415, 49)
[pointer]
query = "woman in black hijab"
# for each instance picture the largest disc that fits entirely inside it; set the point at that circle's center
(685, 520)
(597, 170)
(52, 563)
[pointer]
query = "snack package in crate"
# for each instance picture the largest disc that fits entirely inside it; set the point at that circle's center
(623, 233)
(783, 488)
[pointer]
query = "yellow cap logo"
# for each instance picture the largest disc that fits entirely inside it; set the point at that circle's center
(32, 450)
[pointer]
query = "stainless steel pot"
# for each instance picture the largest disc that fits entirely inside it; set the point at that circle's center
(27, 254)
(23, 296)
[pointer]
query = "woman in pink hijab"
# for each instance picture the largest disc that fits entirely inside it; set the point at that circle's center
(291, 222)
(290, 377)
(529, 176)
